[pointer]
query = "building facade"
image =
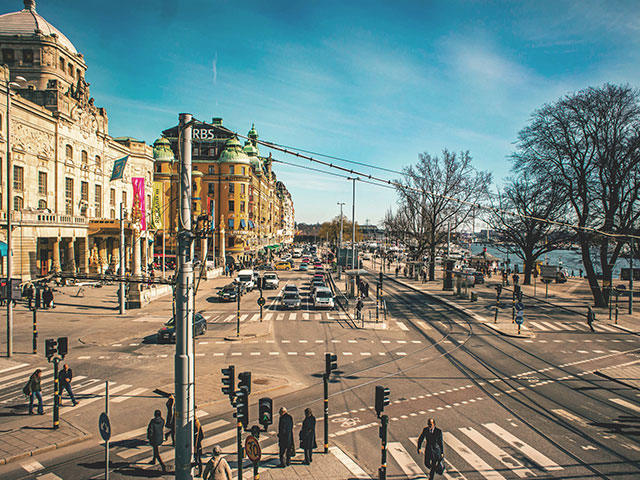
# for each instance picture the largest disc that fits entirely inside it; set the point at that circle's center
(65, 210)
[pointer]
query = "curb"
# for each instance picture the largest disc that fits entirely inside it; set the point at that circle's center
(47, 448)
(249, 336)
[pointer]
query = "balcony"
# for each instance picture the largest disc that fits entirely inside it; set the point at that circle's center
(44, 218)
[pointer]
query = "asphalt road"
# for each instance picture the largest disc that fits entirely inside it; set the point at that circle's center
(509, 408)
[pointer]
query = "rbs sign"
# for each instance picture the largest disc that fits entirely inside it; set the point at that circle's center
(203, 134)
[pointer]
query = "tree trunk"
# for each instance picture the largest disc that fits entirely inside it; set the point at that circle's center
(596, 292)
(432, 263)
(528, 268)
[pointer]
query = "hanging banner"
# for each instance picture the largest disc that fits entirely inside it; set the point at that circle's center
(138, 210)
(157, 207)
(118, 168)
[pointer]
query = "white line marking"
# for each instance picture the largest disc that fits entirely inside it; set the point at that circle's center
(408, 466)
(352, 466)
(625, 404)
(471, 458)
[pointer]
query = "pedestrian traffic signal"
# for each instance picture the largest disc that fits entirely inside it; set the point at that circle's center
(49, 347)
(63, 346)
(265, 409)
(244, 381)
(382, 398)
(229, 381)
(3, 289)
(242, 407)
(383, 427)
(330, 364)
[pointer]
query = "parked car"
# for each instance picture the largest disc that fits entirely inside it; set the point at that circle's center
(270, 281)
(167, 334)
(247, 277)
(229, 292)
(303, 267)
(290, 300)
(283, 266)
(323, 298)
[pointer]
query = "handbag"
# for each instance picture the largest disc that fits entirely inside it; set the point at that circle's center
(27, 389)
(440, 466)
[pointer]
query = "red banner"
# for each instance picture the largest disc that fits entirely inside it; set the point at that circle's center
(139, 212)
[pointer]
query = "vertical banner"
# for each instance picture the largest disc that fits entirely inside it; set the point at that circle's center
(157, 207)
(139, 211)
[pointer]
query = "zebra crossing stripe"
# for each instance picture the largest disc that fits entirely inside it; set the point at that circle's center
(49, 476)
(402, 326)
(268, 316)
(32, 466)
(352, 466)
(243, 317)
(569, 416)
(607, 328)
(496, 452)
(536, 325)
(293, 316)
(280, 316)
(255, 317)
(451, 473)
(625, 404)
(15, 367)
(305, 316)
(86, 401)
(552, 326)
(229, 318)
(408, 466)
(132, 393)
(20, 376)
(471, 458)
(537, 457)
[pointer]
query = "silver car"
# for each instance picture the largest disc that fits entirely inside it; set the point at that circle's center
(290, 300)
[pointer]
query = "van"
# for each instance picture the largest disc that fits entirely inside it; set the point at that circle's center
(247, 277)
(297, 252)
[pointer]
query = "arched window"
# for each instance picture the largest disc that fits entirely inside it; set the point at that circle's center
(61, 63)
(42, 204)
(17, 203)
(85, 159)
(69, 153)
(70, 67)
(98, 162)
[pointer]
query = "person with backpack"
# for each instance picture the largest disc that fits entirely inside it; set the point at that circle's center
(155, 435)
(33, 389)
(217, 467)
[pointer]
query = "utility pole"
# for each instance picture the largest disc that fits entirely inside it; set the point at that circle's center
(340, 242)
(184, 316)
(122, 261)
(353, 225)
(630, 277)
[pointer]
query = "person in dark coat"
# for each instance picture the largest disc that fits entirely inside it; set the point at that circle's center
(434, 448)
(47, 297)
(308, 436)
(171, 420)
(64, 377)
(591, 317)
(34, 389)
(155, 435)
(198, 436)
(285, 437)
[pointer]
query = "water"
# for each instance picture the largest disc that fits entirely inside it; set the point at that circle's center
(568, 259)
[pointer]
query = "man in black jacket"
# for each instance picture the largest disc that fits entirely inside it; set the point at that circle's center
(285, 437)
(64, 377)
(434, 448)
(155, 435)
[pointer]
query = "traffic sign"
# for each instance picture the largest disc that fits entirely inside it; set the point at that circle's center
(104, 425)
(261, 301)
(519, 306)
(520, 317)
(252, 447)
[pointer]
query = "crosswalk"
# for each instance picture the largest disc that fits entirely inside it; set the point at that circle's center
(86, 390)
(542, 326)
(290, 316)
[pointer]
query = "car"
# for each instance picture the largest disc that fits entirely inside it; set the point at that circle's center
(290, 288)
(229, 292)
(270, 281)
(303, 267)
(247, 277)
(315, 284)
(323, 298)
(290, 300)
(167, 334)
(317, 265)
(283, 266)
(305, 259)
(264, 266)
(319, 275)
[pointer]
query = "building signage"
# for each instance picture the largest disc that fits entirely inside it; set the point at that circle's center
(203, 134)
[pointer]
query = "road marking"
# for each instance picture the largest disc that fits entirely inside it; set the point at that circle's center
(268, 316)
(229, 318)
(625, 404)
(305, 316)
(255, 353)
(15, 367)
(365, 354)
(293, 316)
(274, 353)
(132, 393)
(347, 353)
(408, 466)
(310, 353)
(471, 458)
(402, 326)
(496, 452)
(100, 396)
(243, 317)
(49, 476)
(569, 416)
(552, 326)
(255, 317)
(280, 316)
(32, 466)
(352, 466)
(423, 324)
(527, 450)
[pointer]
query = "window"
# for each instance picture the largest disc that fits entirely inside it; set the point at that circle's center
(17, 203)
(61, 63)
(243, 170)
(68, 196)
(231, 169)
(18, 178)
(69, 153)
(231, 223)
(85, 160)
(8, 56)
(232, 206)
(113, 213)
(112, 197)
(232, 188)
(98, 201)
(159, 168)
(242, 206)
(70, 68)
(42, 183)
(98, 162)
(42, 204)
(211, 188)
(124, 198)
(27, 56)
(242, 188)
(212, 170)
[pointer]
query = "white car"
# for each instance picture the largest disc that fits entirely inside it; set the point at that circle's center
(270, 280)
(246, 277)
(323, 298)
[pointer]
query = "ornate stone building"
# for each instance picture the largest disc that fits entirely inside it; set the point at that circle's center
(65, 208)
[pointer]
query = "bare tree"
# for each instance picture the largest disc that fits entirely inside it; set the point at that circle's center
(588, 145)
(524, 200)
(438, 194)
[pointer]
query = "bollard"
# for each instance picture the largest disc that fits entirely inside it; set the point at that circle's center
(495, 319)
(616, 315)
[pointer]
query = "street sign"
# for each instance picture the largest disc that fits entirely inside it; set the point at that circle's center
(519, 306)
(104, 426)
(520, 317)
(261, 301)
(252, 447)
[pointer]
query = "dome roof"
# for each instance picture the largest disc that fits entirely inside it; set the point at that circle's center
(253, 133)
(233, 152)
(28, 22)
(162, 150)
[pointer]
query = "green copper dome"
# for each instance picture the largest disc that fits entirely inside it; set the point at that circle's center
(162, 150)
(233, 152)
(253, 133)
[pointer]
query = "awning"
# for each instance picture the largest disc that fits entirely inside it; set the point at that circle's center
(251, 224)
(231, 223)
(3, 249)
(243, 224)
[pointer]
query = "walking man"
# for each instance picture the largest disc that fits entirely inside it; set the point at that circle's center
(171, 423)
(285, 437)
(64, 377)
(434, 448)
(217, 467)
(591, 317)
(308, 436)
(359, 306)
(155, 435)
(33, 388)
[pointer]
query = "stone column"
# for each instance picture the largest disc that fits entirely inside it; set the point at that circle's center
(84, 254)
(102, 254)
(137, 271)
(71, 255)
(144, 242)
(115, 255)
(56, 256)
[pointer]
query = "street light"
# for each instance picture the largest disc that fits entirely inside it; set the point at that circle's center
(340, 242)
(9, 84)
(353, 224)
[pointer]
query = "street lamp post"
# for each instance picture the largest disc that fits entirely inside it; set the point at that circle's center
(9, 189)
(340, 242)
(353, 224)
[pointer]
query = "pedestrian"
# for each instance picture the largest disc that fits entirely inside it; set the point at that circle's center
(47, 297)
(359, 306)
(155, 435)
(285, 437)
(171, 420)
(217, 467)
(33, 389)
(397, 270)
(198, 436)
(434, 448)
(28, 293)
(308, 436)
(591, 317)
(64, 378)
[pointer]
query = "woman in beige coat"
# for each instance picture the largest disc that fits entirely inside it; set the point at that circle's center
(217, 468)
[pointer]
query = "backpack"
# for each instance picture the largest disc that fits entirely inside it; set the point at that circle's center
(27, 389)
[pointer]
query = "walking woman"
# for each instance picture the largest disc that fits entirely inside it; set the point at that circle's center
(34, 390)
(308, 436)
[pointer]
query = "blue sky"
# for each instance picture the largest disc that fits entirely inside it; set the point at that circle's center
(370, 81)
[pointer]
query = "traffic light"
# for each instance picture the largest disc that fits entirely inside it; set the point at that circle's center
(49, 347)
(265, 409)
(3, 289)
(244, 382)
(63, 346)
(229, 381)
(383, 427)
(330, 364)
(242, 407)
(382, 398)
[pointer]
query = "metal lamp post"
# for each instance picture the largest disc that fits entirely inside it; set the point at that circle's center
(340, 242)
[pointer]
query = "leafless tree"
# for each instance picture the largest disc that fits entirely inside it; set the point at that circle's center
(588, 144)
